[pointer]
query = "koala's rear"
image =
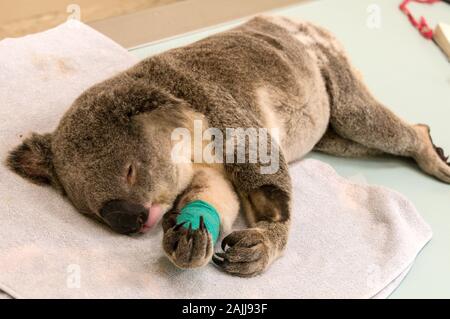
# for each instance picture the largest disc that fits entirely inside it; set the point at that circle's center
(112, 153)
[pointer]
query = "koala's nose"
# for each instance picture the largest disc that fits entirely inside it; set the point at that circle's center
(124, 217)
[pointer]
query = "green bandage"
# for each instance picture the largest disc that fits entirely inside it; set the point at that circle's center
(191, 213)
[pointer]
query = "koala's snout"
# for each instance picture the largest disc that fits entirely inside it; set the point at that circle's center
(124, 217)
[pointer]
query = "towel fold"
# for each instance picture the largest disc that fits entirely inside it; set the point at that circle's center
(347, 240)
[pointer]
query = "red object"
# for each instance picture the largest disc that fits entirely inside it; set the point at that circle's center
(422, 24)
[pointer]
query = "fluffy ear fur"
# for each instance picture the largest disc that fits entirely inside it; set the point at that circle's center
(33, 160)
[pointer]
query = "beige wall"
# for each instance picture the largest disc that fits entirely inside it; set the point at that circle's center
(20, 17)
(157, 23)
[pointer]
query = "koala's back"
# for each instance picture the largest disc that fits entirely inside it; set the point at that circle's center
(261, 72)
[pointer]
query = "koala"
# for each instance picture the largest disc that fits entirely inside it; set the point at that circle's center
(111, 157)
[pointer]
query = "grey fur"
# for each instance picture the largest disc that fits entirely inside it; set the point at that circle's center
(266, 70)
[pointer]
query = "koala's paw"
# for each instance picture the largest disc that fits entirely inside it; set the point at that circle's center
(247, 255)
(188, 248)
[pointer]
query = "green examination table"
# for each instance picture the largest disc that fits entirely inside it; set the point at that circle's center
(411, 76)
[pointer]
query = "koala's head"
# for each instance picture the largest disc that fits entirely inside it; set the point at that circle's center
(106, 158)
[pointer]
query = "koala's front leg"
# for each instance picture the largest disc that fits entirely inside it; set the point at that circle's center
(250, 251)
(189, 248)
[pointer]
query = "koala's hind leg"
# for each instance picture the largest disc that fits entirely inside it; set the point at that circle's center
(333, 144)
(357, 116)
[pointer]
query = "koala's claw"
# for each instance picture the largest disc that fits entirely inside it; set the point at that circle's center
(178, 226)
(202, 223)
(188, 248)
(247, 254)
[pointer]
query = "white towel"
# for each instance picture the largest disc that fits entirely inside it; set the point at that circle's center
(347, 240)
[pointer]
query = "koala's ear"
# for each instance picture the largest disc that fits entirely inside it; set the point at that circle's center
(139, 98)
(33, 160)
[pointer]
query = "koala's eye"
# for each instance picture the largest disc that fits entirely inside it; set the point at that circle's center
(131, 175)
